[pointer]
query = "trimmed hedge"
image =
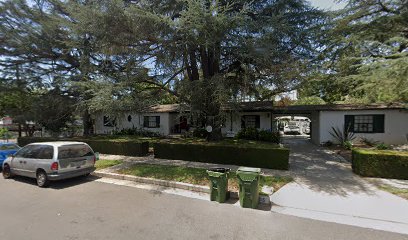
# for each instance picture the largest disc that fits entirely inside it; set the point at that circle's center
(106, 146)
(273, 158)
(377, 163)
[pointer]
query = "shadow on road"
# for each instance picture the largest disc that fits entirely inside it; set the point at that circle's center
(57, 185)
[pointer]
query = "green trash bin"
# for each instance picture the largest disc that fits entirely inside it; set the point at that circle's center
(248, 179)
(218, 184)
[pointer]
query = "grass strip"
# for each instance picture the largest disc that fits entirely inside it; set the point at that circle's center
(196, 176)
(401, 192)
(101, 164)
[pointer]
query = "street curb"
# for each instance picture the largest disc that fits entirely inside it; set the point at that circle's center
(164, 183)
(264, 200)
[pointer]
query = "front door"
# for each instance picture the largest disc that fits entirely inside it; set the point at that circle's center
(183, 124)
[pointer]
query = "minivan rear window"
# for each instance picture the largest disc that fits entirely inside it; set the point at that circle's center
(74, 151)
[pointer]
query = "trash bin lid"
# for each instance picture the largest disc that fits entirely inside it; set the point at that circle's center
(249, 169)
(219, 169)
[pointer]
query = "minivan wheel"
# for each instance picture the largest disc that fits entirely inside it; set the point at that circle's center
(42, 179)
(6, 171)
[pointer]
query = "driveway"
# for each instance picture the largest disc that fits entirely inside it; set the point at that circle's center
(86, 209)
(325, 188)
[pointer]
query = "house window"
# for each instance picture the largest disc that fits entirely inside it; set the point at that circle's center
(365, 123)
(151, 121)
(250, 121)
(108, 121)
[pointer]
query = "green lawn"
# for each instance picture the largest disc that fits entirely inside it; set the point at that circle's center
(101, 164)
(196, 176)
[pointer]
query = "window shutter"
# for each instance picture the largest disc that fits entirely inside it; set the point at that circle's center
(158, 121)
(349, 123)
(378, 123)
(145, 121)
(257, 121)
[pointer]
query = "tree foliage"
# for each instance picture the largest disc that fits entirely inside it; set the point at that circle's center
(366, 59)
(111, 55)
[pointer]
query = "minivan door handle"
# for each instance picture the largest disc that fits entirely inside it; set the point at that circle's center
(24, 162)
(21, 161)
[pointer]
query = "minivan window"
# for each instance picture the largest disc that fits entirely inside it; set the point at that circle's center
(36, 152)
(74, 151)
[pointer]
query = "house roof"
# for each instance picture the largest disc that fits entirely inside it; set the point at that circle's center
(267, 106)
(162, 108)
(341, 107)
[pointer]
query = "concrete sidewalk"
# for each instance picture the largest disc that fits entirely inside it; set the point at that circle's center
(325, 189)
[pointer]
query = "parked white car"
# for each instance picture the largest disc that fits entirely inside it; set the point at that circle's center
(50, 161)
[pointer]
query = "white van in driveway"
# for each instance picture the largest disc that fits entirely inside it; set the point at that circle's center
(50, 161)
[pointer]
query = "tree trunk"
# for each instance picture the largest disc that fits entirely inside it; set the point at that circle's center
(87, 123)
(19, 130)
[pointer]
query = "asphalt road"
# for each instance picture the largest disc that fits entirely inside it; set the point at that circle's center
(84, 209)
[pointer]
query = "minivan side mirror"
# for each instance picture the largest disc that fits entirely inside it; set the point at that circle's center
(97, 156)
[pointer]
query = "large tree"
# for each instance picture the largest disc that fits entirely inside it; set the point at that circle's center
(208, 53)
(132, 53)
(366, 57)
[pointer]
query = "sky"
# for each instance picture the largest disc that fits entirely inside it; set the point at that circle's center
(327, 4)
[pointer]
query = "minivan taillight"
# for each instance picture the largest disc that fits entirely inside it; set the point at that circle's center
(94, 159)
(54, 166)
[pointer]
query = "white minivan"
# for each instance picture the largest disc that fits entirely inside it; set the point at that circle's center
(49, 161)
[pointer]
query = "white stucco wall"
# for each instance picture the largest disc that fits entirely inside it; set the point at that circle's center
(395, 125)
(136, 122)
(264, 121)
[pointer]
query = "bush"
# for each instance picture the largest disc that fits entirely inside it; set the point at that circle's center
(382, 146)
(262, 135)
(200, 133)
(106, 146)
(248, 134)
(269, 136)
(348, 145)
(273, 157)
(345, 137)
(137, 132)
(385, 164)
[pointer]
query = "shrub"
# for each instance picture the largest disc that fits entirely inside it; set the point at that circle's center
(262, 135)
(380, 163)
(343, 136)
(106, 146)
(248, 134)
(273, 157)
(347, 145)
(137, 132)
(382, 146)
(269, 136)
(200, 133)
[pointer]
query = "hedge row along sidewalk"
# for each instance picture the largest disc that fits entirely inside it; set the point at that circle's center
(241, 153)
(229, 151)
(380, 163)
(118, 146)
